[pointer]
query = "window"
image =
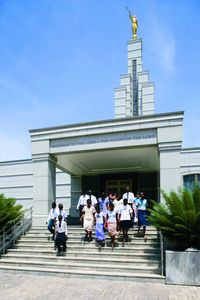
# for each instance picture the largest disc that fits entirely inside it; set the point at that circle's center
(189, 181)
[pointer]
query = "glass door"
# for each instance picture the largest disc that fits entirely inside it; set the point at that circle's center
(118, 186)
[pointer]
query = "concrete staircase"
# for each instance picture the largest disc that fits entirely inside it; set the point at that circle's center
(137, 260)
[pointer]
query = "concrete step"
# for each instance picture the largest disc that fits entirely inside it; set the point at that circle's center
(47, 235)
(151, 235)
(90, 247)
(82, 232)
(80, 237)
(129, 268)
(93, 274)
(47, 243)
(98, 260)
(85, 253)
(78, 227)
(139, 245)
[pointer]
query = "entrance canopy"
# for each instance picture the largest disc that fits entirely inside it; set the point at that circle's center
(117, 145)
(110, 161)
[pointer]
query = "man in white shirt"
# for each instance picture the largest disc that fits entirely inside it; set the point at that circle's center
(62, 212)
(129, 196)
(52, 216)
(81, 202)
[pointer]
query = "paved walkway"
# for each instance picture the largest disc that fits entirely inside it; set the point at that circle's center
(29, 287)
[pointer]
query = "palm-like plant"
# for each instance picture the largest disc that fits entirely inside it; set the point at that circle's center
(9, 211)
(178, 219)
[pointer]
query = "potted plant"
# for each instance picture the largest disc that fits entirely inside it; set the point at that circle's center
(178, 219)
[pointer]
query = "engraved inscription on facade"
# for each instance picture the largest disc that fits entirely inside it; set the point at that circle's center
(103, 138)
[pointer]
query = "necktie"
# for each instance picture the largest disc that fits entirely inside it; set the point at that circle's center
(127, 195)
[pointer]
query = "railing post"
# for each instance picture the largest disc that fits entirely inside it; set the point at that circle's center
(23, 226)
(14, 234)
(4, 242)
(162, 254)
(31, 215)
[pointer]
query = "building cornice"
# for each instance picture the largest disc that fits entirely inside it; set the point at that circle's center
(114, 122)
(192, 149)
(14, 162)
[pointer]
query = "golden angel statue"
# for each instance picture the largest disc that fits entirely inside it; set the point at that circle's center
(134, 22)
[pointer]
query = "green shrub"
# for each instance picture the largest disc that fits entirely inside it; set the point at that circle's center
(178, 219)
(9, 211)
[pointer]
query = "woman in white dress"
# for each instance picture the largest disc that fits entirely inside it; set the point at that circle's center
(111, 219)
(88, 219)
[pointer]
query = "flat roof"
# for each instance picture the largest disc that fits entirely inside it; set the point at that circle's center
(114, 120)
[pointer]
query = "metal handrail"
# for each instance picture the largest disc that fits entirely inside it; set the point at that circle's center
(20, 225)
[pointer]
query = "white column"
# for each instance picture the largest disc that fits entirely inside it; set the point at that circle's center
(76, 188)
(170, 171)
(169, 147)
(44, 185)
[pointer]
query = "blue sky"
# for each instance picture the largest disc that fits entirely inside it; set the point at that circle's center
(60, 61)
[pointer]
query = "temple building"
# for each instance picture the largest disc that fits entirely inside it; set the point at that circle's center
(138, 147)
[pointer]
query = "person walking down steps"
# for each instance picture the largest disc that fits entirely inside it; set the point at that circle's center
(100, 221)
(51, 221)
(111, 220)
(142, 220)
(125, 216)
(61, 236)
(62, 212)
(88, 220)
(81, 202)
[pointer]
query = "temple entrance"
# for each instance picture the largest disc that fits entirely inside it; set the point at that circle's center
(118, 186)
(145, 182)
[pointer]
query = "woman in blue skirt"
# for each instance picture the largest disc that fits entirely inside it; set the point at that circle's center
(100, 220)
(142, 208)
